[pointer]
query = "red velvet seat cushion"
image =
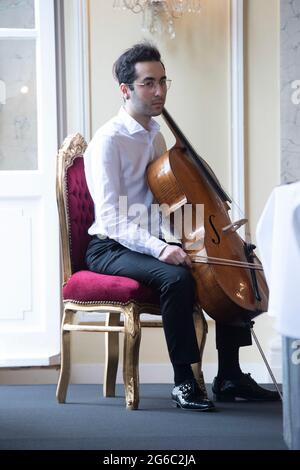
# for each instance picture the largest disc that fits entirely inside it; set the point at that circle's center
(87, 286)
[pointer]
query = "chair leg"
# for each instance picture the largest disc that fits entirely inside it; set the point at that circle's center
(201, 332)
(111, 356)
(132, 339)
(64, 376)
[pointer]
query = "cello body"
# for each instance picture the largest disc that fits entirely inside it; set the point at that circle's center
(228, 293)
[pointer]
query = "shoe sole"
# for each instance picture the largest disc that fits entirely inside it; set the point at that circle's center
(177, 405)
(233, 398)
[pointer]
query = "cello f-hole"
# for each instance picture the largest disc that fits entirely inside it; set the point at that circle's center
(216, 242)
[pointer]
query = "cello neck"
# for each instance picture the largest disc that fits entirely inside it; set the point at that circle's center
(182, 141)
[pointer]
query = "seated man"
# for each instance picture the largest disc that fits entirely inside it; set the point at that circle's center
(115, 165)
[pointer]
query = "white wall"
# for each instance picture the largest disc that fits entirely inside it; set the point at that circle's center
(262, 125)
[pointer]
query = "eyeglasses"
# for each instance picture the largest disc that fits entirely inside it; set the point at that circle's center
(151, 85)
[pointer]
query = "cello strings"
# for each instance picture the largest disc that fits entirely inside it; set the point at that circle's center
(225, 262)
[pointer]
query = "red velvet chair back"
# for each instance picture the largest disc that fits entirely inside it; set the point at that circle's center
(80, 209)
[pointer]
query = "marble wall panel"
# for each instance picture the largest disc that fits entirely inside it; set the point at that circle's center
(290, 90)
(18, 108)
(17, 13)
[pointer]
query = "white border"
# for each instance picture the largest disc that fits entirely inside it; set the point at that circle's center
(81, 68)
(237, 111)
(18, 33)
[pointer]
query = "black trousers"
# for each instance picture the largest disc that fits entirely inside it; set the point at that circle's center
(176, 288)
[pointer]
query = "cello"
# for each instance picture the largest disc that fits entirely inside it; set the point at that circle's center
(230, 283)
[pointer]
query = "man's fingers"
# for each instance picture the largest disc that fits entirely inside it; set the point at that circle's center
(175, 255)
(187, 261)
(183, 259)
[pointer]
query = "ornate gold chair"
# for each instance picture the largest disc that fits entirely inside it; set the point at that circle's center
(86, 291)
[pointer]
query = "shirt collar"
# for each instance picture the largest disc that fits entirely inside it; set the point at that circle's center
(133, 126)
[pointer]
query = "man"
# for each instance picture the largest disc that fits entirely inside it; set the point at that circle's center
(115, 165)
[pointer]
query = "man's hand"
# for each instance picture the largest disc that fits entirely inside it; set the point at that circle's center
(173, 254)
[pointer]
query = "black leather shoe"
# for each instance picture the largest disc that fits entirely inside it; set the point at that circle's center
(242, 388)
(188, 396)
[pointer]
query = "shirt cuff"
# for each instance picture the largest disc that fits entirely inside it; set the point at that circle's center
(157, 247)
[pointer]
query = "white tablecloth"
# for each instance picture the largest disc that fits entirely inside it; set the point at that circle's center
(278, 239)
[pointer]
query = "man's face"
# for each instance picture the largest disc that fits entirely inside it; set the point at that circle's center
(149, 89)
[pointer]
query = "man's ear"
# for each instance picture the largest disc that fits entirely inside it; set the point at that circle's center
(125, 91)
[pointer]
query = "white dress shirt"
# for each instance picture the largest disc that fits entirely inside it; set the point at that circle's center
(115, 166)
(278, 239)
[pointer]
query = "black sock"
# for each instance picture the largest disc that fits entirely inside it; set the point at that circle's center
(229, 366)
(182, 372)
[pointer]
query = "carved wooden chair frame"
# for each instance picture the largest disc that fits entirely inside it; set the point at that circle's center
(73, 147)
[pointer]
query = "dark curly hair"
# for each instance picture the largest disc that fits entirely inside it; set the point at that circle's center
(124, 67)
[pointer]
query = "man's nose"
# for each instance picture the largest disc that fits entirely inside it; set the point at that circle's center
(159, 90)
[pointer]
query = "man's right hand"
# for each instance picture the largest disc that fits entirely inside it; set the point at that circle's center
(173, 254)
